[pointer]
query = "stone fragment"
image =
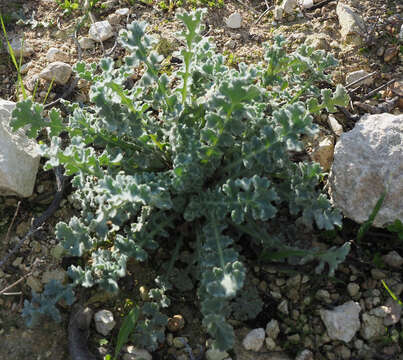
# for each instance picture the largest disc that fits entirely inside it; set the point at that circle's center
(389, 54)
(351, 23)
(270, 344)
(114, 19)
(306, 4)
(356, 75)
(305, 355)
(19, 158)
(55, 54)
(179, 342)
(283, 307)
(335, 125)
(59, 71)
(133, 353)
(367, 161)
(277, 13)
(377, 274)
(353, 289)
(234, 21)
(394, 312)
(393, 259)
(272, 329)
(318, 41)
(372, 327)
(25, 67)
(343, 321)
(323, 153)
(289, 6)
(100, 31)
(254, 340)
(104, 322)
(86, 43)
(20, 48)
(122, 12)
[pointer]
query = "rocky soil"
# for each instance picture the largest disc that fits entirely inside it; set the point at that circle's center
(306, 316)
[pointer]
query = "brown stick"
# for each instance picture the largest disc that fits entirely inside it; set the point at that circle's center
(12, 222)
(373, 92)
(3, 292)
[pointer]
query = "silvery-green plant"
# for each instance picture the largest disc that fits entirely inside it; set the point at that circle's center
(199, 160)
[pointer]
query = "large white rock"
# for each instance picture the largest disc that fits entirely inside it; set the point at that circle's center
(343, 321)
(59, 71)
(100, 31)
(254, 340)
(19, 159)
(368, 161)
(352, 25)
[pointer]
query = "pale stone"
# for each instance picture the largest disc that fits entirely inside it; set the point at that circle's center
(368, 161)
(353, 289)
(393, 259)
(289, 6)
(278, 13)
(318, 41)
(372, 327)
(343, 321)
(20, 48)
(133, 353)
(272, 329)
(104, 322)
(335, 126)
(356, 75)
(100, 31)
(114, 19)
(305, 355)
(323, 153)
(122, 12)
(254, 340)
(86, 43)
(394, 312)
(270, 344)
(306, 4)
(19, 158)
(55, 54)
(351, 23)
(59, 71)
(25, 67)
(234, 21)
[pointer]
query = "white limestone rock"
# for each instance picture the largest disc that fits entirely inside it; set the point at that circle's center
(289, 6)
(104, 322)
(55, 54)
(59, 71)
(343, 321)
(272, 329)
(19, 158)
(254, 340)
(234, 21)
(350, 22)
(100, 31)
(367, 161)
(356, 75)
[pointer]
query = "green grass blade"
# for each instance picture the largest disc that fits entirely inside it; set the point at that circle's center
(13, 58)
(394, 297)
(127, 327)
(49, 88)
(367, 224)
